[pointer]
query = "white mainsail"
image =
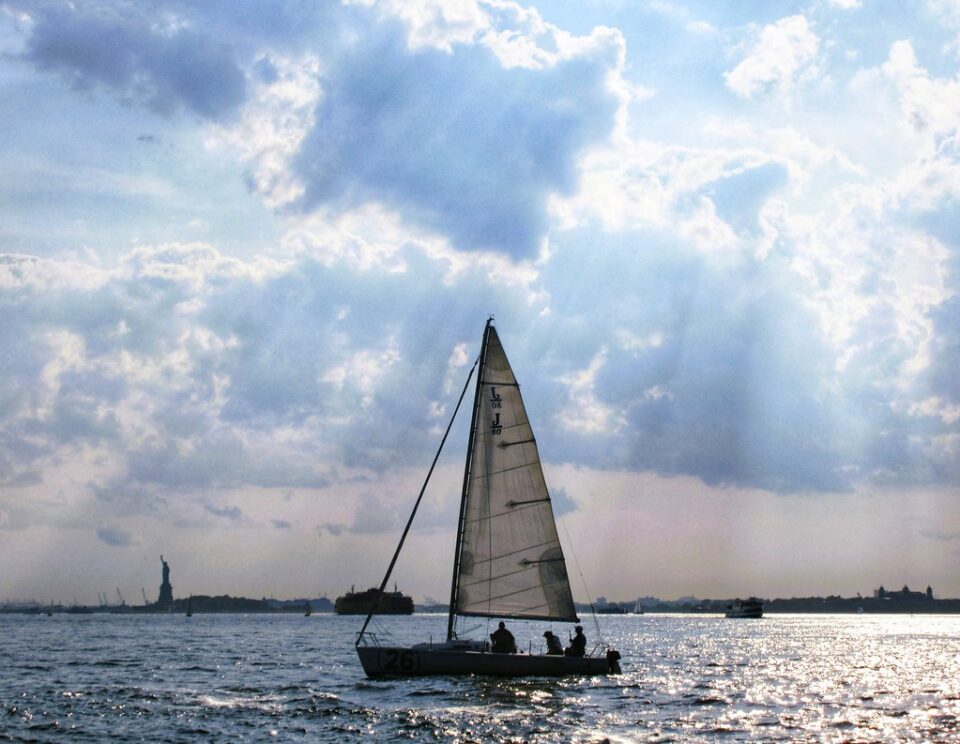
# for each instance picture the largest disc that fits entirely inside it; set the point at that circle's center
(510, 561)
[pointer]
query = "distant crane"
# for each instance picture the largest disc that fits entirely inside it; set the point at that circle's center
(123, 602)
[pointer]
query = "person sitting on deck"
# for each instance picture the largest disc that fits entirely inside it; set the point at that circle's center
(553, 644)
(503, 641)
(578, 644)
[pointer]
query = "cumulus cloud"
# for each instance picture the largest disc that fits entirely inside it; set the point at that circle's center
(929, 104)
(463, 118)
(197, 371)
(783, 51)
(457, 142)
(700, 310)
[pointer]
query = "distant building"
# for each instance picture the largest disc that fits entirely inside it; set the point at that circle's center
(904, 595)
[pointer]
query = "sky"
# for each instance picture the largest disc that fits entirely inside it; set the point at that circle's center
(247, 251)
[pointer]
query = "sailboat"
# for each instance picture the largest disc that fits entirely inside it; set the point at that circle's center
(508, 562)
(190, 606)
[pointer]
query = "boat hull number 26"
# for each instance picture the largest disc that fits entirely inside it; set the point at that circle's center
(399, 660)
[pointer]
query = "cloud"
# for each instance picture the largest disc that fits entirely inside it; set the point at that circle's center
(465, 119)
(928, 103)
(157, 60)
(189, 370)
(562, 503)
(940, 535)
(233, 513)
(782, 51)
(715, 394)
(457, 142)
(334, 529)
(751, 308)
(116, 537)
(281, 524)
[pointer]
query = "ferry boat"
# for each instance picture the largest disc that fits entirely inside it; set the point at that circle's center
(752, 607)
(371, 600)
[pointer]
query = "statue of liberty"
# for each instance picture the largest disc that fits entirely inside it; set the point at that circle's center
(166, 589)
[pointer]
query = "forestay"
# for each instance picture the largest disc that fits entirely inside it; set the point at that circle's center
(510, 561)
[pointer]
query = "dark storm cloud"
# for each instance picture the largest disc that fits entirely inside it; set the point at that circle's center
(130, 50)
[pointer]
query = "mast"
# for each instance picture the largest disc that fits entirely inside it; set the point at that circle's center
(466, 481)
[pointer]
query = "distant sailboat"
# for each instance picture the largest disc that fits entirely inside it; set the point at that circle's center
(190, 606)
(508, 562)
(309, 610)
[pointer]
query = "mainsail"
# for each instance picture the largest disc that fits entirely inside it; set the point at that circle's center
(509, 561)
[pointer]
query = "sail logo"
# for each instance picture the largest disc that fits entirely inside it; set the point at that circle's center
(495, 402)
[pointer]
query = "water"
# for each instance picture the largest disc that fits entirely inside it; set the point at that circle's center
(168, 678)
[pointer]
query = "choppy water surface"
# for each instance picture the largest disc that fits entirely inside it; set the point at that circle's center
(168, 678)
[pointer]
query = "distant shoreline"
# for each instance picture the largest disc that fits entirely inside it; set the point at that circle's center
(241, 605)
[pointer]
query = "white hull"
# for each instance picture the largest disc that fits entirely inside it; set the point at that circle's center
(392, 661)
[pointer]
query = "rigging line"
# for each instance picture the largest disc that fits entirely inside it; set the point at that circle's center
(593, 611)
(416, 505)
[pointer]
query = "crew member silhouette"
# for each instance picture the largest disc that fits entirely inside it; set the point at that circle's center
(553, 644)
(503, 641)
(578, 645)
